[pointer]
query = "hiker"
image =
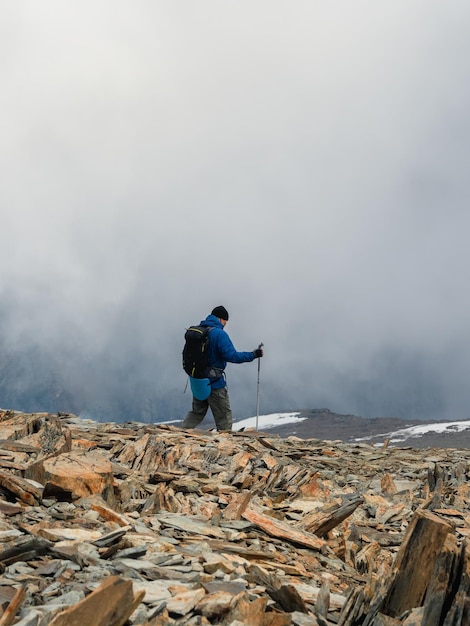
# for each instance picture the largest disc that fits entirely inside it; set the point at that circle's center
(221, 350)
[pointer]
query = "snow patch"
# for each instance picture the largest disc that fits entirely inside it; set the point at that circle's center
(414, 432)
(265, 422)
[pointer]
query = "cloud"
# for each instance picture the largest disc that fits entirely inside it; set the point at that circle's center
(303, 165)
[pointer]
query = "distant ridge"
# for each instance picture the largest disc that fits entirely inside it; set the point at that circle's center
(328, 425)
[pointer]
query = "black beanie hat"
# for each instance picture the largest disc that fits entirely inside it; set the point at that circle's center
(221, 312)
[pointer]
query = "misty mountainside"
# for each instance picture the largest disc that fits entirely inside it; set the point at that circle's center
(128, 379)
(126, 389)
(134, 372)
(102, 387)
(120, 388)
(125, 364)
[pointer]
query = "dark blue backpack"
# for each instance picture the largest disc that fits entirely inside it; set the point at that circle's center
(196, 351)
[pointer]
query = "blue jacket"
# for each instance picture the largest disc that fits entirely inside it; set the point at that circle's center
(221, 349)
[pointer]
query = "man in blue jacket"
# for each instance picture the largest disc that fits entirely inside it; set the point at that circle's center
(221, 350)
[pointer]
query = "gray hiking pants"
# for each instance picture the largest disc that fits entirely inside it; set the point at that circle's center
(219, 404)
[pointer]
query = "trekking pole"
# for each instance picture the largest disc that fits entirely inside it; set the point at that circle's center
(257, 388)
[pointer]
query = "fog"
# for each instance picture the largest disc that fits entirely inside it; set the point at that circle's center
(305, 165)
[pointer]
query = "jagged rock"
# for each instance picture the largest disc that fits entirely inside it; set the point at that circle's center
(109, 605)
(25, 490)
(79, 474)
(11, 610)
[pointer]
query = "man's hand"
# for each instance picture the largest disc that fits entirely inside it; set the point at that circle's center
(258, 353)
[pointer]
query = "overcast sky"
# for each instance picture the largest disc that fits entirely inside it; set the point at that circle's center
(305, 164)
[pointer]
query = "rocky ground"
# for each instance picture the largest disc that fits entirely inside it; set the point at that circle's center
(147, 525)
